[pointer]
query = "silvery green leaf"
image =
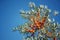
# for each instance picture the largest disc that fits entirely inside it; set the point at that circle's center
(32, 4)
(22, 11)
(41, 6)
(49, 20)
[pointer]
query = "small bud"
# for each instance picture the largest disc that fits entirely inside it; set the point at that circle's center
(53, 19)
(46, 7)
(56, 12)
(49, 10)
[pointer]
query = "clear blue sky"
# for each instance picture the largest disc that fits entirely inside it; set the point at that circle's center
(10, 17)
